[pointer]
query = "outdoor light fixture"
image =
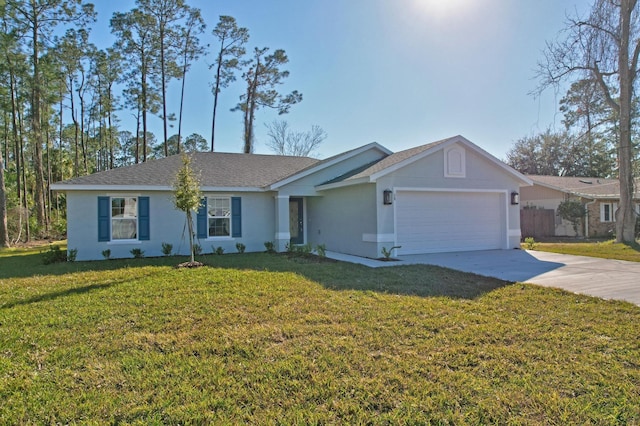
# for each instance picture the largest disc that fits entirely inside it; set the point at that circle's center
(387, 197)
(515, 198)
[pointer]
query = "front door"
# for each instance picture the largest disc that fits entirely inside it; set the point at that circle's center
(296, 220)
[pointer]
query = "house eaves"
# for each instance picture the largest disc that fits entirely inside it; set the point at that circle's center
(148, 188)
(328, 163)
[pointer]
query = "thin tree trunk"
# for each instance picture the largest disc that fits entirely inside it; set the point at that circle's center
(4, 234)
(164, 93)
(39, 202)
(215, 99)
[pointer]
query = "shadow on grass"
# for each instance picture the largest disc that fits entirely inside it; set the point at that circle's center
(416, 280)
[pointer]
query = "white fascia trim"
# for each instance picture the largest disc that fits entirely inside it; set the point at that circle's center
(141, 188)
(420, 189)
(103, 188)
(379, 238)
(338, 159)
(343, 183)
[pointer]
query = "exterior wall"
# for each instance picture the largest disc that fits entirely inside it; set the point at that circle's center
(342, 218)
(540, 197)
(481, 174)
(597, 228)
(167, 224)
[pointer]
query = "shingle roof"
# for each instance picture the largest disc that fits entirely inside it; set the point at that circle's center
(394, 159)
(216, 169)
(584, 186)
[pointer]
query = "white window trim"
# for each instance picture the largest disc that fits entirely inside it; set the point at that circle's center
(612, 212)
(220, 237)
(123, 240)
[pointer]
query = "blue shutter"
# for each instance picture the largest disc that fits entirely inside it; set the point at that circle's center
(236, 217)
(144, 232)
(104, 222)
(201, 220)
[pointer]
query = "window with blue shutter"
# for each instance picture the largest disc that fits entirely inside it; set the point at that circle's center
(144, 233)
(236, 217)
(201, 220)
(104, 219)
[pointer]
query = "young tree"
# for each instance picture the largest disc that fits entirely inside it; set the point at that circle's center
(232, 41)
(262, 78)
(605, 47)
(187, 196)
(284, 141)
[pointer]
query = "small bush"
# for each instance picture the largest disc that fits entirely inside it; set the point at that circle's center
(54, 255)
(197, 249)
(167, 249)
(321, 249)
(72, 254)
(270, 246)
(387, 253)
(240, 247)
(137, 253)
(217, 250)
(106, 254)
(530, 243)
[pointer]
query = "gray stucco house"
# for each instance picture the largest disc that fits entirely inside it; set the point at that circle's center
(444, 196)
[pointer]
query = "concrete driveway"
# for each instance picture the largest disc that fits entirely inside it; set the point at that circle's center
(608, 279)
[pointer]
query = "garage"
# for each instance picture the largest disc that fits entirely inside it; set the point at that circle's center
(432, 221)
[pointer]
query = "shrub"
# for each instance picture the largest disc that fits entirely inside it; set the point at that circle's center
(240, 247)
(71, 256)
(217, 250)
(573, 211)
(269, 245)
(137, 253)
(167, 249)
(387, 253)
(54, 255)
(530, 243)
(197, 249)
(106, 254)
(321, 249)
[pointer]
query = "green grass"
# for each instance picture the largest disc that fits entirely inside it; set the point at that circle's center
(603, 249)
(265, 339)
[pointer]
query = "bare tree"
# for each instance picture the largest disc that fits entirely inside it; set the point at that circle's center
(605, 47)
(284, 141)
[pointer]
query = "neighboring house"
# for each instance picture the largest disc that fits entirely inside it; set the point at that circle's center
(599, 196)
(449, 195)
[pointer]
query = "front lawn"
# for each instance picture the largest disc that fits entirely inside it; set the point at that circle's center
(265, 339)
(603, 249)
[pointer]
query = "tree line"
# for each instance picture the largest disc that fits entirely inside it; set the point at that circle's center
(63, 95)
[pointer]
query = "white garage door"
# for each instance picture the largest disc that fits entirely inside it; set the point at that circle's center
(431, 222)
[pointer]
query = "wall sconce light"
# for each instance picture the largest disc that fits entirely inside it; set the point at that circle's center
(387, 197)
(515, 198)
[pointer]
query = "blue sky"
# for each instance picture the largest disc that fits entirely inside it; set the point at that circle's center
(398, 72)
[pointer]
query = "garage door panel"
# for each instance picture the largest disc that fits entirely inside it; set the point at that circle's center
(429, 222)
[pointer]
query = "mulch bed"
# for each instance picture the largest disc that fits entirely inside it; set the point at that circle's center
(195, 264)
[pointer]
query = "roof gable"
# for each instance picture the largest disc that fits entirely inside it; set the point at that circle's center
(402, 159)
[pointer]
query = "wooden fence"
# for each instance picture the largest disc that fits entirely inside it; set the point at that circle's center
(537, 223)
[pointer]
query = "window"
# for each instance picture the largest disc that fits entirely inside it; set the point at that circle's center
(219, 216)
(608, 212)
(123, 218)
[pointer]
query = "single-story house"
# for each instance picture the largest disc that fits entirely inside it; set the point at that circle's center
(449, 195)
(599, 196)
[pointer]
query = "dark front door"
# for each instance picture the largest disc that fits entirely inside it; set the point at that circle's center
(296, 220)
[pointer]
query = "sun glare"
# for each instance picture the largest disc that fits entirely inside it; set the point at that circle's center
(443, 8)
